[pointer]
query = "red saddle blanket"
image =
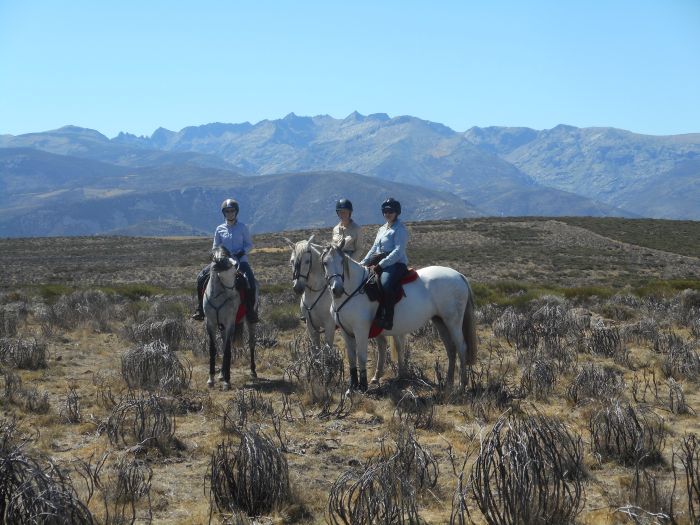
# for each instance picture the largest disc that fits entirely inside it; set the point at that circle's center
(241, 308)
(410, 276)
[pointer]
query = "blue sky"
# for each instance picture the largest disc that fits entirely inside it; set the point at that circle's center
(136, 65)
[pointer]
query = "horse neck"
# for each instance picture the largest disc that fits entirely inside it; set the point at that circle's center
(316, 279)
(353, 271)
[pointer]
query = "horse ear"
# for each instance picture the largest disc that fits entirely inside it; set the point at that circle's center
(311, 239)
(290, 243)
(315, 249)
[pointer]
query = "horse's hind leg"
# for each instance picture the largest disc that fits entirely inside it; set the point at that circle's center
(251, 347)
(381, 360)
(226, 364)
(446, 338)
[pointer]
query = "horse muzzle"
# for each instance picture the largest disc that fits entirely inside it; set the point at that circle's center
(298, 287)
(337, 289)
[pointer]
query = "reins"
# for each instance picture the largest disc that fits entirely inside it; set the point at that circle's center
(229, 296)
(358, 291)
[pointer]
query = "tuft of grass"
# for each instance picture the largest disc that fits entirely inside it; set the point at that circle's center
(586, 292)
(51, 292)
(665, 289)
(135, 291)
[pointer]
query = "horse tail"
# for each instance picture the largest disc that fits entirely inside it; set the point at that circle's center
(469, 327)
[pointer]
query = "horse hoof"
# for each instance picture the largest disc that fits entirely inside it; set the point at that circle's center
(374, 381)
(210, 383)
(225, 386)
(253, 373)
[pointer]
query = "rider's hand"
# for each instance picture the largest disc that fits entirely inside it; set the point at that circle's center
(238, 255)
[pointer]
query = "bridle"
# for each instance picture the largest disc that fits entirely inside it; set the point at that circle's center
(296, 270)
(366, 276)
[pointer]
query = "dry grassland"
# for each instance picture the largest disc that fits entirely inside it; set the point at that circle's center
(559, 300)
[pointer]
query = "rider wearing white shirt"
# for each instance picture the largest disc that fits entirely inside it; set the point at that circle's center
(235, 237)
(347, 230)
(387, 257)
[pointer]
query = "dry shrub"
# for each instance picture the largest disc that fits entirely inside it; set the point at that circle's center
(516, 329)
(539, 378)
(253, 477)
(606, 341)
(652, 496)
(10, 319)
(142, 421)
(682, 362)
(92, 307)
(416, 410)
(175, 333)
(155, 366)
(529, 470)
(595, 381)
(127, 482)
(319, 371)
(386, 489)
(35, 491)
(627, 434)
(26, 354)
(688, 454)
(30, 399)
(70, 409)
(266, 335)
(644, 330)
(245, 403)
(665, 342)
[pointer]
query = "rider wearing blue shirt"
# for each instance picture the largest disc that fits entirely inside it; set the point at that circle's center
(235, 237)
(387, 257)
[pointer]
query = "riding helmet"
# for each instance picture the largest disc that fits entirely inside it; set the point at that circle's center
(343, 204)
(229, 203)
(392, 204)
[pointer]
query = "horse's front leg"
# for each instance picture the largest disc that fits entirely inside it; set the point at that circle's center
(314, 336)
(361, 342)
(212, 356)
(352, 359)
(226, 364)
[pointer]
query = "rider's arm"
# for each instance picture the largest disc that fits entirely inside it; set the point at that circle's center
(217, 239)
(398, 254)
(247, 240)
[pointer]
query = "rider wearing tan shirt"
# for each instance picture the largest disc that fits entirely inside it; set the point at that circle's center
(347, 229)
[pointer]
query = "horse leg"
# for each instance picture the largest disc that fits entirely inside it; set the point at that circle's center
(449, 347)
(251, 347)
(352, 359)
(314, 336)
(455, 330)
(226, 365)
(381, 360)
(212, 356)
(361, 343)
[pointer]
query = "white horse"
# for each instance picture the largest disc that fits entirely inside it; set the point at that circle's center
(308, 280)
(221, 303)
(440, 294)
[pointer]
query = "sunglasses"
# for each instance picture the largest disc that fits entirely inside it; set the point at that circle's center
(230, 210)
(385, 212)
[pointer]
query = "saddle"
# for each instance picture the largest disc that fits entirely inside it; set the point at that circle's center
(374, 293)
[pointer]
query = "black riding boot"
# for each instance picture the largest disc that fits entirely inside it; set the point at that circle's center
(389, 315)
(198, 314)
(363, 380)
(353, 379)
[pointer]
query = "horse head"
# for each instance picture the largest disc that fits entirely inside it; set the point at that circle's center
(302, 263)
(332, 259)
(221, 259)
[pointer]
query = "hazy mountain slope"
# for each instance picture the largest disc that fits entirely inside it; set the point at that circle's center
(616, 166)
(405, 149)
(268, 203)
(91, 144)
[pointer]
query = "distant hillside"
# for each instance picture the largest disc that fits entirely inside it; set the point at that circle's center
(402, 149)
(649, 175)
(91, 144)
(268, 203)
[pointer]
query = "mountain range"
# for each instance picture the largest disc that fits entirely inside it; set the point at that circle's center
(287, 174)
